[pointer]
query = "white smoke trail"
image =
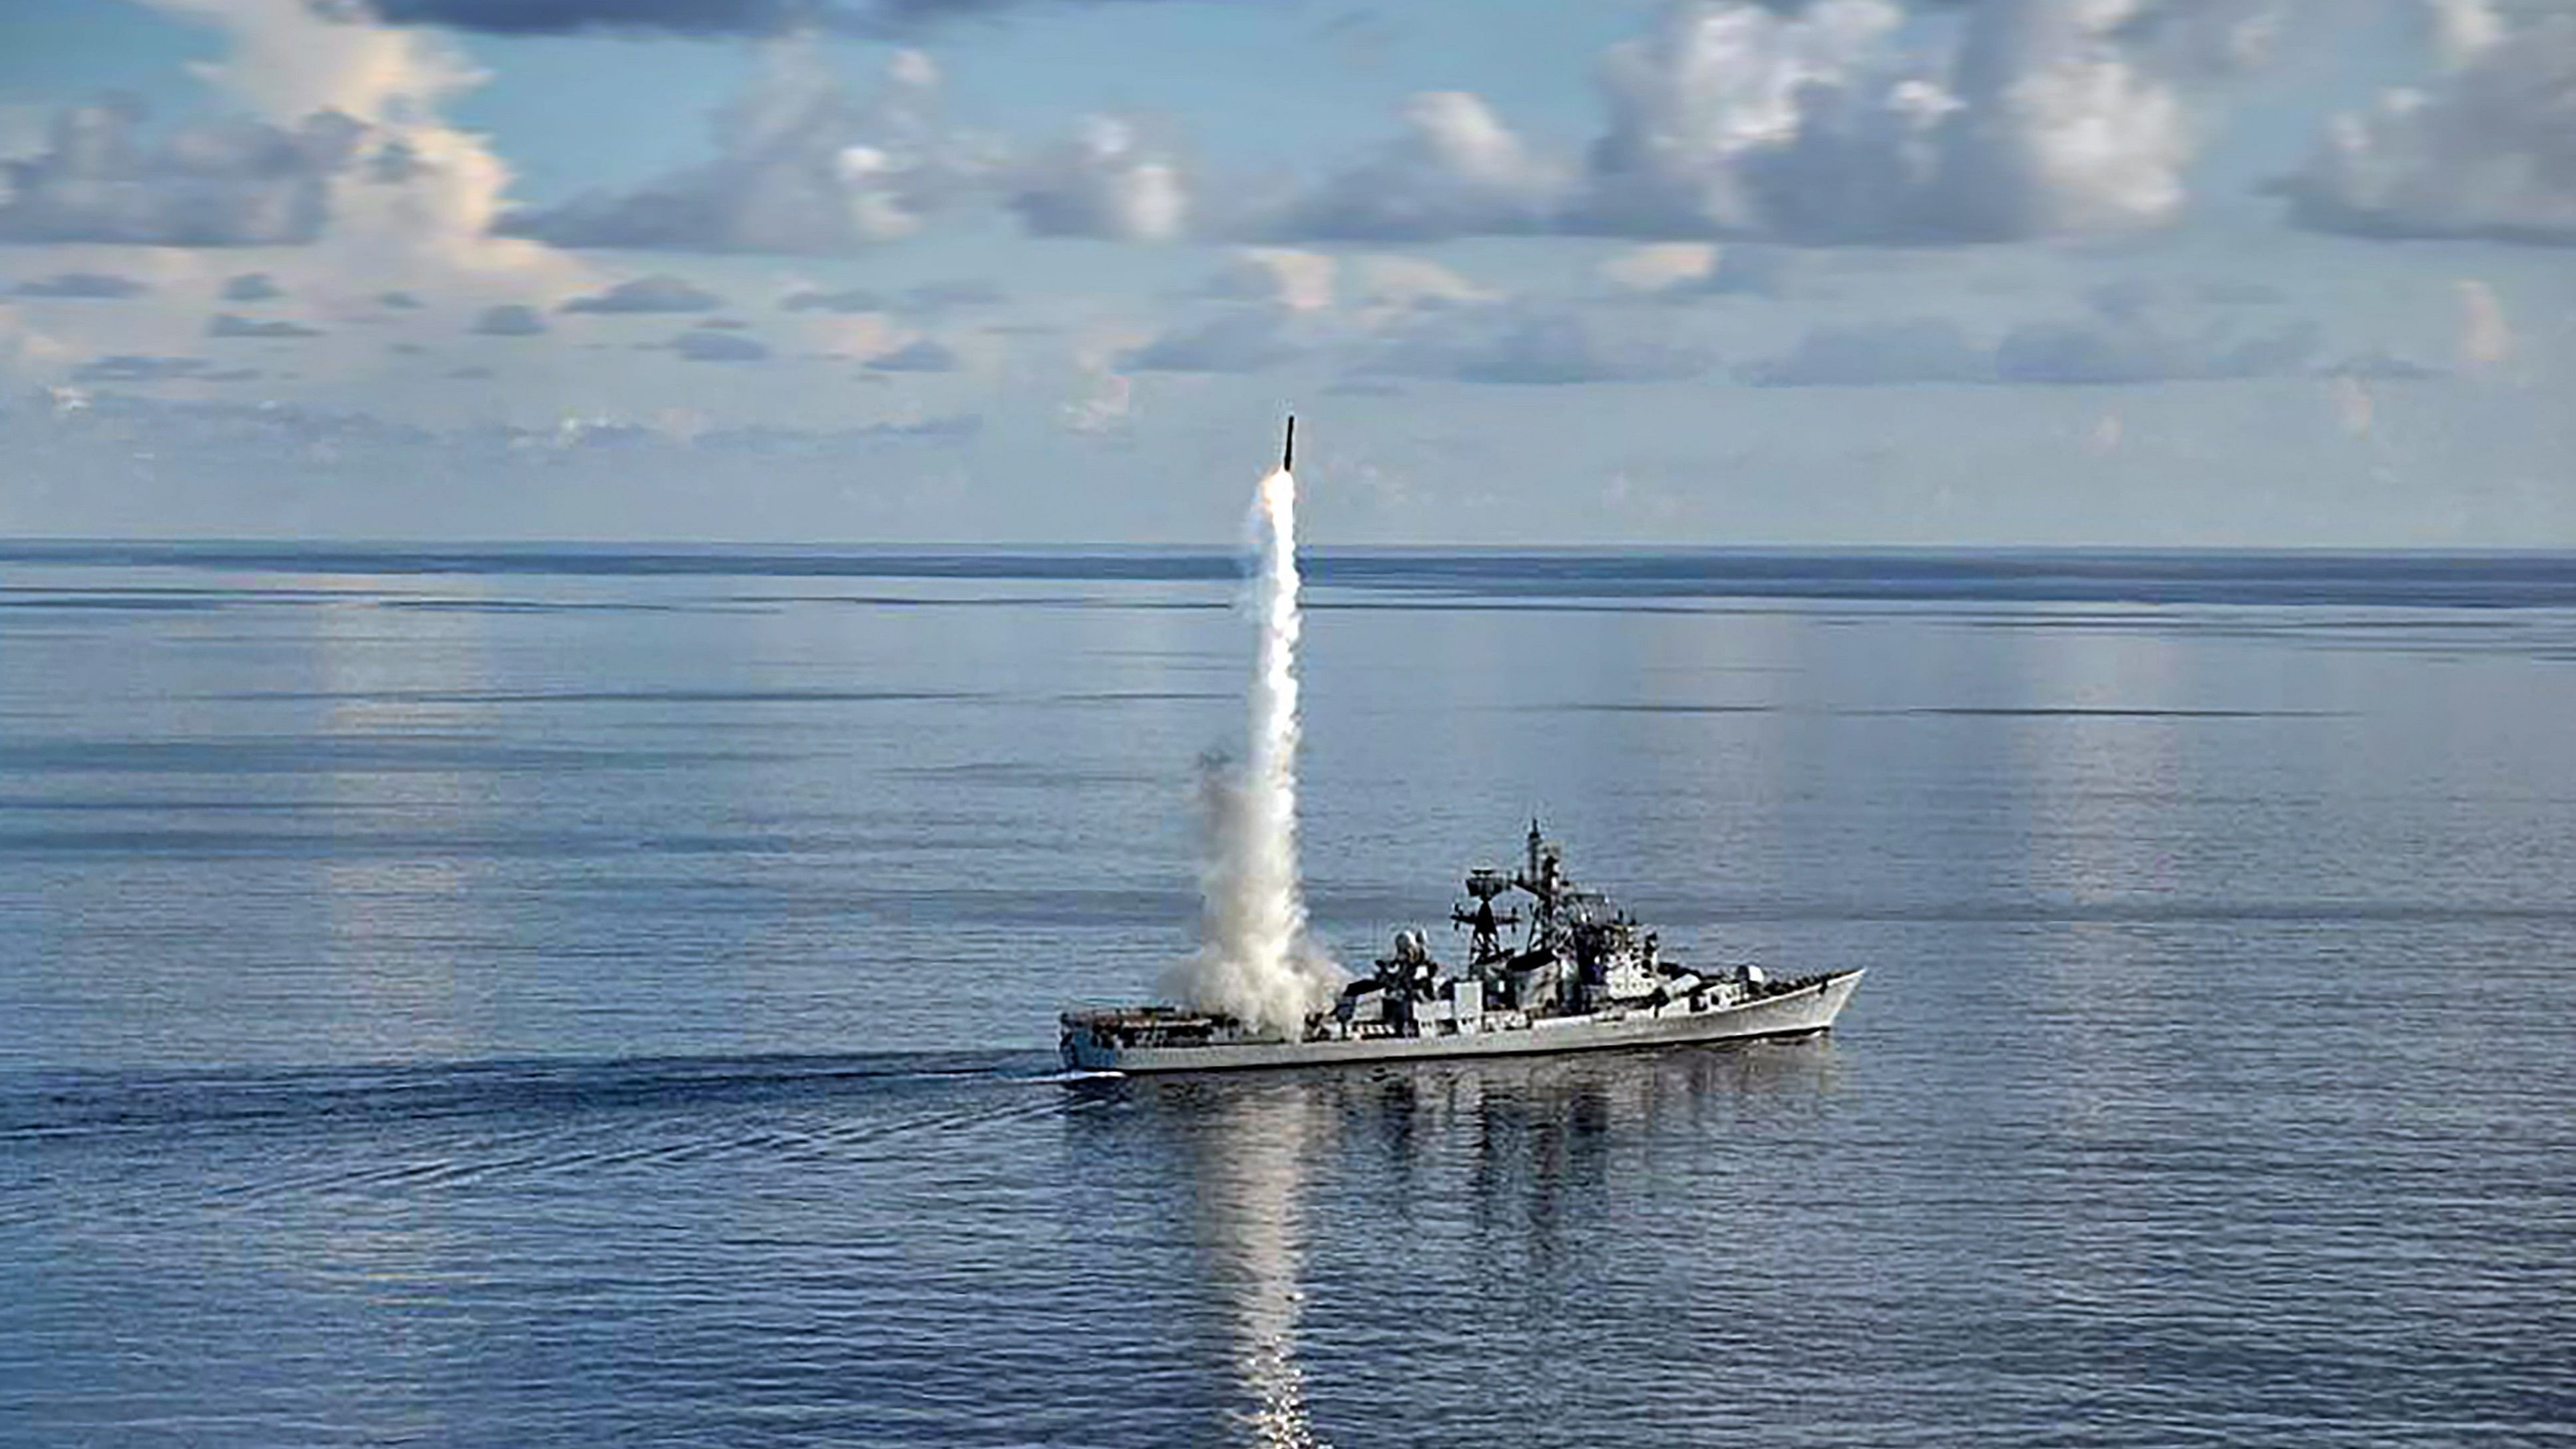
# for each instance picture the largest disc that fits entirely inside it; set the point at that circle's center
(1254, 960)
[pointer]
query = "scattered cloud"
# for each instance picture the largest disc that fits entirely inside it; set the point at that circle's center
(2241, 294)
(399, 301)
(957, 292)
(1521, 344)
(220, 183)
(823, 443)
(1824, 123)
(704, 346)
(1920, 350)
(338, 150)
(232, 325)
(657, 293)
(565, 17)
(1457, 170)
(1405, 283)
(1106, 404)
(1819, 124)
(2356, 409)
(920, 355)
(1678, 271)
(121, 449)
(2486, 334)
(252, 287)
(706, 18)
(132, 368)
(82, 286)
(1240, 340)
(2126, 350)
(1660, 266)
(953, 427)
(1111, 181)
(853, 299)
(2106, 348)
(2382, 366)
(509, 319)
(2488, 150)
(803, 165)
(1274, 276)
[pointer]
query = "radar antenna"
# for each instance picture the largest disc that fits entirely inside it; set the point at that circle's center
(1483, 923)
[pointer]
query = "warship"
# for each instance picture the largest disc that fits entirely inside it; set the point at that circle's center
(1579, 975)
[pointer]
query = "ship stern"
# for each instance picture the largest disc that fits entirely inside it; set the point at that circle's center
(1080, 1044)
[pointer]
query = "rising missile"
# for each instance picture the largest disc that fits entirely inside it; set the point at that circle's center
(1288, 449)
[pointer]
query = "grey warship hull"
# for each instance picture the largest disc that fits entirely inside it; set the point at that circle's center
(1146, 1041)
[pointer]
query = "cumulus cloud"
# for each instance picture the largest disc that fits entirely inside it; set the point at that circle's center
(509, 319)
(334, 154)
(231, 325)
(234, 182)
(705, 346)
(1829, 122)
(1457, 170)
(2488, 150)
(82, 286)
(920, 355)
(345, 153)
(657, 293)
(803, 165)
(1111, 181)
(2040, 118)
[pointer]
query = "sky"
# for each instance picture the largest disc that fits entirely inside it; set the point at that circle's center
(2148, 273)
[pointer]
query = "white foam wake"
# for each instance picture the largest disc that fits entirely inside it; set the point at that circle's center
(1254, 959)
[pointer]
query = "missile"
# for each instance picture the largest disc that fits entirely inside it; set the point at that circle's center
(1288, 448)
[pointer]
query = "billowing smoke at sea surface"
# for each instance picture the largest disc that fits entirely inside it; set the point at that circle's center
(1254, 959)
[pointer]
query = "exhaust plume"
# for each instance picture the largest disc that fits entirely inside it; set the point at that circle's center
(1254, 959)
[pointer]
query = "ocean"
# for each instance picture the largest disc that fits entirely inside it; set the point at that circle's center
(588, 996)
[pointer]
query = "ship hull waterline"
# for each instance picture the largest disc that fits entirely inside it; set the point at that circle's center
(1805, 1012)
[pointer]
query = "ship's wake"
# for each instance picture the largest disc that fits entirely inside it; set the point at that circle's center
(1255, 960)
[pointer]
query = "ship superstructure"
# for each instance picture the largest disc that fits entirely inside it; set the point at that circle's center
(1578, 973)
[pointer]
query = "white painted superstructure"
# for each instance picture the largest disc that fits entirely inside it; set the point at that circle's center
(1585, 977)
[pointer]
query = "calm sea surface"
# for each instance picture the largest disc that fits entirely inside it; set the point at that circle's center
(532, 998)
